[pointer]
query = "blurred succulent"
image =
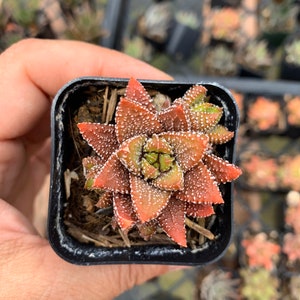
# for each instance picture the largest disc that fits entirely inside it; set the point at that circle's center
(220, 61)
(278, 16)
(292, 55)
(218, 285)
(289, 172)
(225, 23)
(156, 168)
(85, 24)
(23, 12)
(260, 172)
(256, 55)
(260, 251)
(291, 247)
(188, 18)
(155, 23)
(259, 284)
(264, 113)
(293, 109)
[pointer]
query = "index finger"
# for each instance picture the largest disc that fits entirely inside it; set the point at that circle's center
(32, 70)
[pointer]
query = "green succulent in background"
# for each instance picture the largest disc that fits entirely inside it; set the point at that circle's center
(23, 12)
(218, 285)
(256, 55)
(220, 61)
(259, 284)
(278, 16)
(85, 25)
(188, 19)
(293, 53)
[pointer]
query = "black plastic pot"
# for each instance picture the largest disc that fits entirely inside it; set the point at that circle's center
(66, 102)
(182, 41)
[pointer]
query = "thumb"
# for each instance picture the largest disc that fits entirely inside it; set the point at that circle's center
(27, 262)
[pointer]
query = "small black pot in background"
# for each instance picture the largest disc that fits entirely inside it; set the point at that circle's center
(182, 41)
(66, 103)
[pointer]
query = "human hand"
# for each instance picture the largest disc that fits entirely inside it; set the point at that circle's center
(31, 72)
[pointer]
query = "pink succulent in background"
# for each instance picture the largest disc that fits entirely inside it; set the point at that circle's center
(264, 113)
(291, 246)
(260, 251)
(261, 172)
(293, 111)
(157, 167)
(289, 172)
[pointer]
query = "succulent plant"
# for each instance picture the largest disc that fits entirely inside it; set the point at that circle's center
(256, 55)
(263, 113)
(260, 251)
(278, 16)
(260, 172)
(259, 284)
(293, 111)
(188, 18)
(220, 61)
(292, 55)
(291, 247)
(219, 284)
(225, 23)
(156, 166)
(289, 172)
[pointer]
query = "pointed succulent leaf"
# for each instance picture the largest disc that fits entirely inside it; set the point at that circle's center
(198, 210)
(220, 135)
(135, 91)
(147, 200)
(165, 162)
(123, 211)
(91, 167)
(151, 157)
(188, 147)
(158, 145)
(200, 187)
(171, 180)
(205, 116)
(101, 137)
(133, 119)
(222, 170)
(194, 95)
(105, 200)
(113, 176)
(130, 152)
(171, 221)
(174, 118)
(149, 171)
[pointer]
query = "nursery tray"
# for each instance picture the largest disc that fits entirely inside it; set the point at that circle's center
(65, 104)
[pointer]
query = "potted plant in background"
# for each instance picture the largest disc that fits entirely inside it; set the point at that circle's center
(184, 35)
(255, 59)
(277, 19)
(225, 23)
(290, 65)
(264, 114)
(220, 61)
(142, 173)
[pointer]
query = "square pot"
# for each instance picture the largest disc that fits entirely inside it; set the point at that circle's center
(65, 107)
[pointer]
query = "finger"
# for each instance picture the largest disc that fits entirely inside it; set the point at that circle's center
(27, 263)
(32, 70)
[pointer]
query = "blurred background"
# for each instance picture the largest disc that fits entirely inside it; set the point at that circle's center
(251, 47)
